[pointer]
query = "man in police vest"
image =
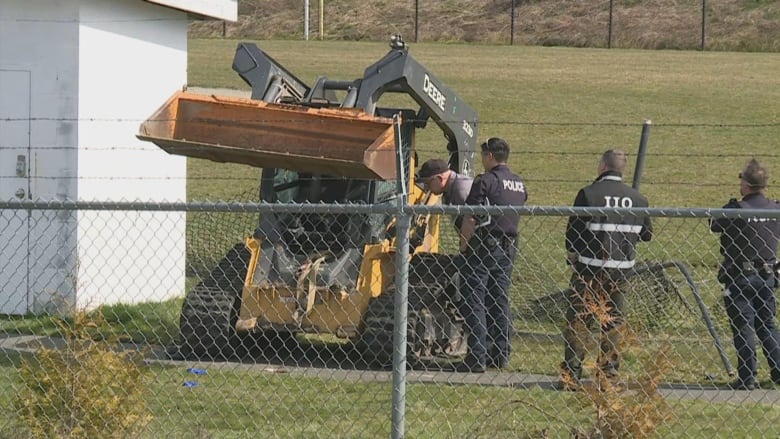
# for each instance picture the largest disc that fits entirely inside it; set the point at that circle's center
(749, 276)
(489, 244)
(600, 249)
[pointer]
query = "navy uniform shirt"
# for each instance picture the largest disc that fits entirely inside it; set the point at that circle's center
(748, 239)
(498, 187)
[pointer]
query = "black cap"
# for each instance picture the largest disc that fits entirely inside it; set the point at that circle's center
(432, 167)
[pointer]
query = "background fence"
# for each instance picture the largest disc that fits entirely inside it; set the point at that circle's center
(319, 385)
(655, 24)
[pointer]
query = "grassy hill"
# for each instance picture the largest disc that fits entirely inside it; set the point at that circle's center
(734, 25)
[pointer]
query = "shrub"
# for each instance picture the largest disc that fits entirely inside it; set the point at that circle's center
(86, 389)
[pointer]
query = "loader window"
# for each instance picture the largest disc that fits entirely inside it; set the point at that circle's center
(385, 191)
(285, 185)
(293, 187)
(307, 232)
(325, 189)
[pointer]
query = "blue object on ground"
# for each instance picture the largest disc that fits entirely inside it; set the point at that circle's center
(190, 384)
(196, 371)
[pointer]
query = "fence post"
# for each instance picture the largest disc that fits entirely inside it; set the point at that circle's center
(416, 17)
(609, 25)
(403, 223)
(703, 22)
(306, 20)
(512, 26)
(322, 19)
(640, 158)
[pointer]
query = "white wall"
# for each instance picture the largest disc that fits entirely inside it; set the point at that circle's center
(132, 57)
(97, 70)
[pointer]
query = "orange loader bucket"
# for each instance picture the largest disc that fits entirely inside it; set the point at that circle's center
(335, 141)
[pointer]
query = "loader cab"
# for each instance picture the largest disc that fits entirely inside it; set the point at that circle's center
(306, 233)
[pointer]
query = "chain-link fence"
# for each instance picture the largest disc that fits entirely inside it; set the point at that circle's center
(658, 24)
(289, 320)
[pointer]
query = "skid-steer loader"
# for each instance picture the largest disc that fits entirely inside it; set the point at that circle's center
(330, 273)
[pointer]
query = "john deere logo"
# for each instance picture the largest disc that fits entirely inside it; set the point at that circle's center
(434, 93)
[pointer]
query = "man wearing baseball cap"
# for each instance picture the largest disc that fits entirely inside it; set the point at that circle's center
(438, 178)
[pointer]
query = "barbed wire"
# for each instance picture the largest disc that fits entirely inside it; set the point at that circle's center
(481, 122)
(599, 152)
(256, 180)
(136, 148)
(81, 21)
(84, 178)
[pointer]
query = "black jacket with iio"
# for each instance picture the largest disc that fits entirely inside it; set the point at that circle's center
(607, 241)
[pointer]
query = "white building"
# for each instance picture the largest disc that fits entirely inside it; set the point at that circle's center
(76, 79)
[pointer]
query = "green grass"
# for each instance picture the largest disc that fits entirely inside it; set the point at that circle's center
(147, 323)
(235, 403)
(537, 348)
(155, 323)
(559, 109)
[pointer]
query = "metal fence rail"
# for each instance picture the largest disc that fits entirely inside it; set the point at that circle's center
(135, 262)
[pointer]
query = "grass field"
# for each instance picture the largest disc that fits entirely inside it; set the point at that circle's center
(234, 403)
(559, 109)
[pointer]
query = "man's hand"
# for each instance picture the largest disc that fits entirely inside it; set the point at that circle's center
(463, 244)
(466, 232)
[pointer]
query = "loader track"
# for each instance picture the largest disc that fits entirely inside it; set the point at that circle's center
(429, 274)
(209, 312)
(376, 340)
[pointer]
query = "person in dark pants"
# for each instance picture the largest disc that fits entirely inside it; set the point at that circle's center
(437, 177)
(489, 244)
(749, 276)
(600, 249)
